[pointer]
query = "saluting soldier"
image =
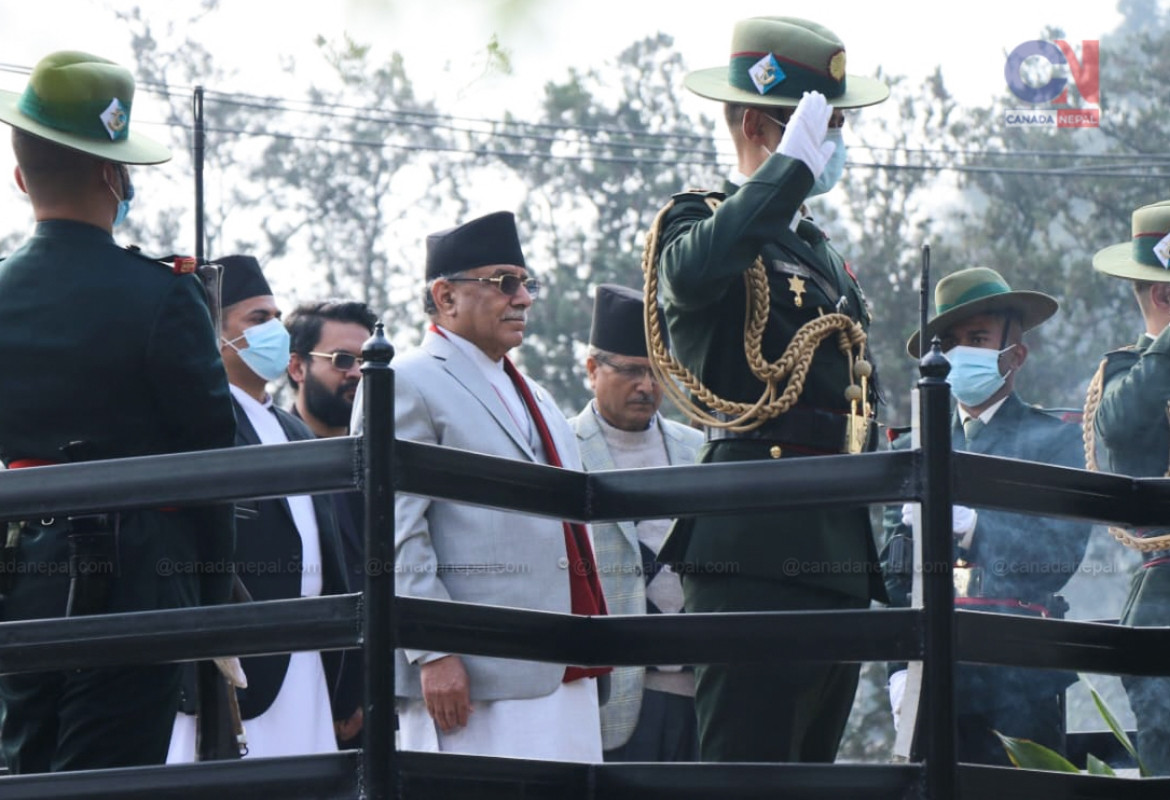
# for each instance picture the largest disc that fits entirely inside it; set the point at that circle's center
(106, 354)
(1006, 563)
(1133, 386)
(783, 92)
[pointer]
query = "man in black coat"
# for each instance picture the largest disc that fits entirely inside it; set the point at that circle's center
(324, 368)
(107, 354)
(287, 547)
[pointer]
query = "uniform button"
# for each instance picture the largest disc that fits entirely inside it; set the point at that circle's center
(637, 570)
(775, 452)
(563, 562)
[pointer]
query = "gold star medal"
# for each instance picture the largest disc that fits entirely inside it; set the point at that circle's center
(796, 286)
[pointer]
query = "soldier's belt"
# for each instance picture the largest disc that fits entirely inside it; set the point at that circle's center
(814, 430)
(969, 585)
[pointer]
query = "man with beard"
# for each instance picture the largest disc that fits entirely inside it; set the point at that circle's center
(325, 365)
(324, 368)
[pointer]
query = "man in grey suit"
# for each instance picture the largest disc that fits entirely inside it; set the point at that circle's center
(650, 713)
(459, 389)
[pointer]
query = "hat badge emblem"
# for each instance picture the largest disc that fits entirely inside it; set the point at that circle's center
(115, 118)
(837, 65)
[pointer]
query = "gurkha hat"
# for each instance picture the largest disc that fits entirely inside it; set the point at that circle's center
(81, 102)
(981, 290)
(1146, 257)
(482, 242)
(775, 60)
(619, 321)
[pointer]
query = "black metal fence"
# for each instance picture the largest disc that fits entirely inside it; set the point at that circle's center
(378, 622)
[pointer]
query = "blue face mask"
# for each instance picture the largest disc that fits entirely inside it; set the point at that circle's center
(124, 200)
(834, 169)
(974, 375)
(267, 351)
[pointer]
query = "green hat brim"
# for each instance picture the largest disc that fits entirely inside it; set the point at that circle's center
(1033, 308)
(134, 149)
(712, 83)
(1117, 260)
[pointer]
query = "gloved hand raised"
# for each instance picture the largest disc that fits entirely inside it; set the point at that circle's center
(804, 135)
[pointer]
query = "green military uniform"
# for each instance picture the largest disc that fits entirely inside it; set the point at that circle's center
(1133, 435)
(1016, 563)
(106, 354)
(821, 559)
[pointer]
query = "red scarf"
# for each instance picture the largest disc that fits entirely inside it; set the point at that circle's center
(584, 586)
(585, 592)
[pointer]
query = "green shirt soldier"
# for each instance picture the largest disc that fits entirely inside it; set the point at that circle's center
(783, 91)
(1130, 425)
(107, 354)
(1005, 563)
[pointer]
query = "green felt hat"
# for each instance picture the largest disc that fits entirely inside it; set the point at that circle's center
(980, 290)
(1146, 257)
(81, 102)
(775, 60)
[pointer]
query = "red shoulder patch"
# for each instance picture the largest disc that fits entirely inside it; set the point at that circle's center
(183, 265)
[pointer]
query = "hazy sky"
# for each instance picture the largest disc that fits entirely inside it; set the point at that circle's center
(443, 40)
(444, 44)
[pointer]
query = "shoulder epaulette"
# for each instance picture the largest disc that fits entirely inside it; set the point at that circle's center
(178, 265)
(1121, 359)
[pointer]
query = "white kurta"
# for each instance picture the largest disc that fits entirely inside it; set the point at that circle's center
(300, 719)
(562, 726)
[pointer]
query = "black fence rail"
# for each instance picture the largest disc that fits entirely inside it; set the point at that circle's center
(376, 621)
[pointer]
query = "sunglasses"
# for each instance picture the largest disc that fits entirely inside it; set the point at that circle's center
(508, 284)
(341, 360)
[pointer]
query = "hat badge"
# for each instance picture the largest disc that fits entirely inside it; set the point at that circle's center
(837, 65)
(766, 73)
(115, 119)
(1162, 251)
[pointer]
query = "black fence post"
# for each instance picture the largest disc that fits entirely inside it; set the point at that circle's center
(937, 736)
(379, 759)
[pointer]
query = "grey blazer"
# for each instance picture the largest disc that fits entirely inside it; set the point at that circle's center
(619, 562)
(452, 551)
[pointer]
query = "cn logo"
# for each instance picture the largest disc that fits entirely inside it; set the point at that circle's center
(1085, 71)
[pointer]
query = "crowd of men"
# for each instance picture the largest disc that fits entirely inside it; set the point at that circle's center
(176, 373)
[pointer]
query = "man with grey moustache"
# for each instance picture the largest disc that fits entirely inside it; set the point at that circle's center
(460, 390)
(650, 713)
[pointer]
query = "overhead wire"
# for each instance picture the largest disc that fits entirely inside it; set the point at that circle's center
(645, 143)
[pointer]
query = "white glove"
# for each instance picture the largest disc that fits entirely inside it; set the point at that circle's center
(804, 135)
(963, 520)
(897, 687)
